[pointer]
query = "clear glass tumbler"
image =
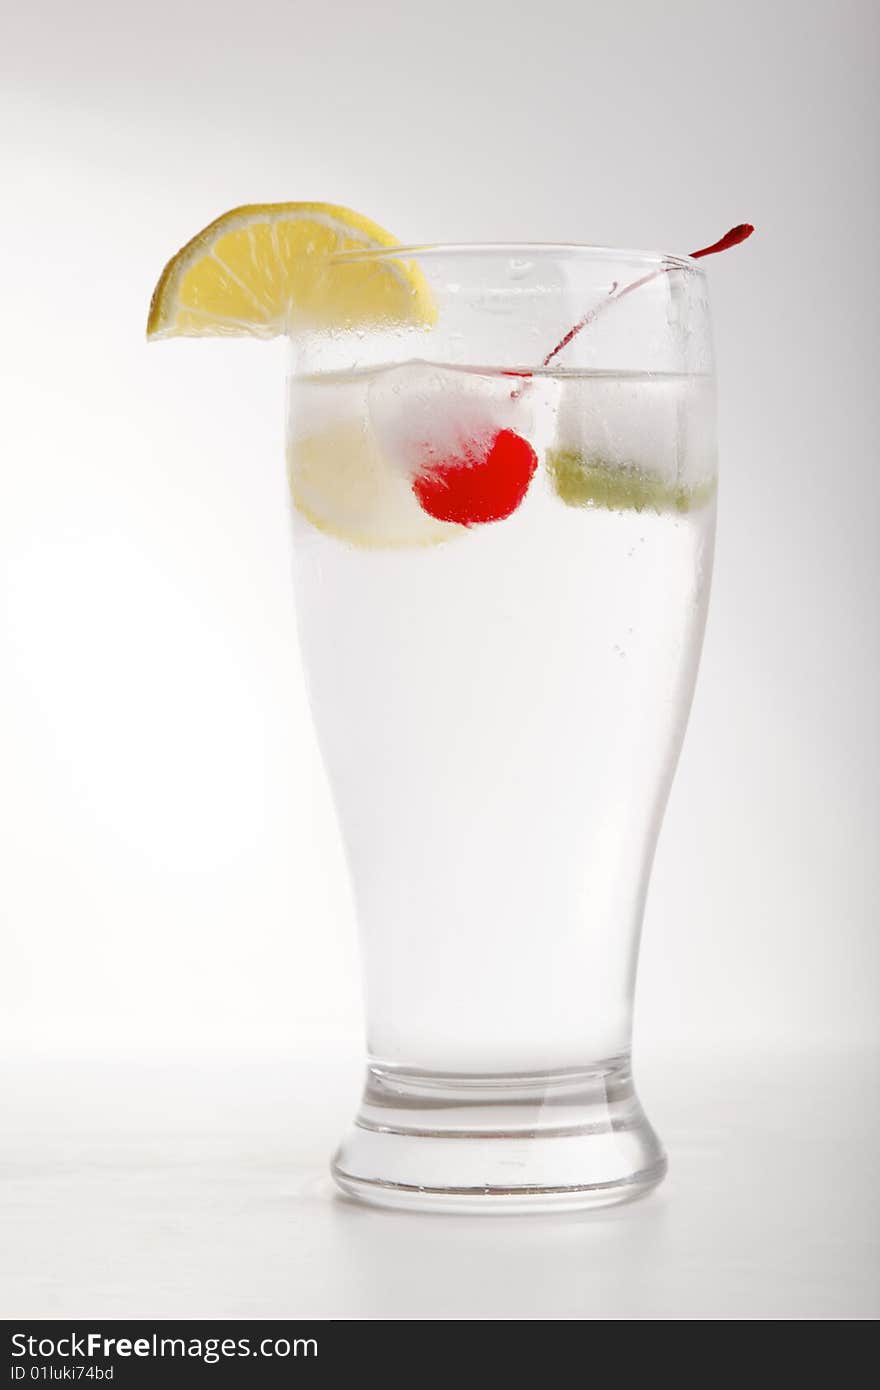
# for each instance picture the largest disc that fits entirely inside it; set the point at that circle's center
(503, 547)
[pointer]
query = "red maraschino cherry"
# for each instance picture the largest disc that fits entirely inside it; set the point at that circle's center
(486, 485)
(489, 478)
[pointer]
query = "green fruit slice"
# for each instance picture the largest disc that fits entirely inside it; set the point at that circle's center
(587, 480)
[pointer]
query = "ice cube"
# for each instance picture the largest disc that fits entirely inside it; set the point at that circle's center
(424, 415)
(652, 425)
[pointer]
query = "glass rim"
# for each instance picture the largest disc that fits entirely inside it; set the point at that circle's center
(521, 250)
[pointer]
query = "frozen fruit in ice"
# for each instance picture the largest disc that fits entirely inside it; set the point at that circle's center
(584, 480)
(342, 484)
(459, 437)
(486, 481)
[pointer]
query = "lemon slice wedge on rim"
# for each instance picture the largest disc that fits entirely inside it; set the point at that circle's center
(260, 270)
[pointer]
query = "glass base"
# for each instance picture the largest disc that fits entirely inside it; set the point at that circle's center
(538, 1142)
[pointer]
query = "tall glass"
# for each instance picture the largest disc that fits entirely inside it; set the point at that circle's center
(503, 546)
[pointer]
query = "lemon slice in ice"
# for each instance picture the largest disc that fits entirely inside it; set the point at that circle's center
(342, 484)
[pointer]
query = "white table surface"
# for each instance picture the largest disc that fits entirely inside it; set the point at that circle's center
(197, 1187)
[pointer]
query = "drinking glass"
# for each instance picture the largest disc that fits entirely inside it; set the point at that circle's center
(500, 700)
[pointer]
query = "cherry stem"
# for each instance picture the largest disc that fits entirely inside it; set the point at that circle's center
(731, 238)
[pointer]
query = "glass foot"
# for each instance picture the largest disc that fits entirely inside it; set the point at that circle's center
(539, 1142)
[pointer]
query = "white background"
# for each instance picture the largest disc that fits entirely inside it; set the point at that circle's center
(172, 882)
